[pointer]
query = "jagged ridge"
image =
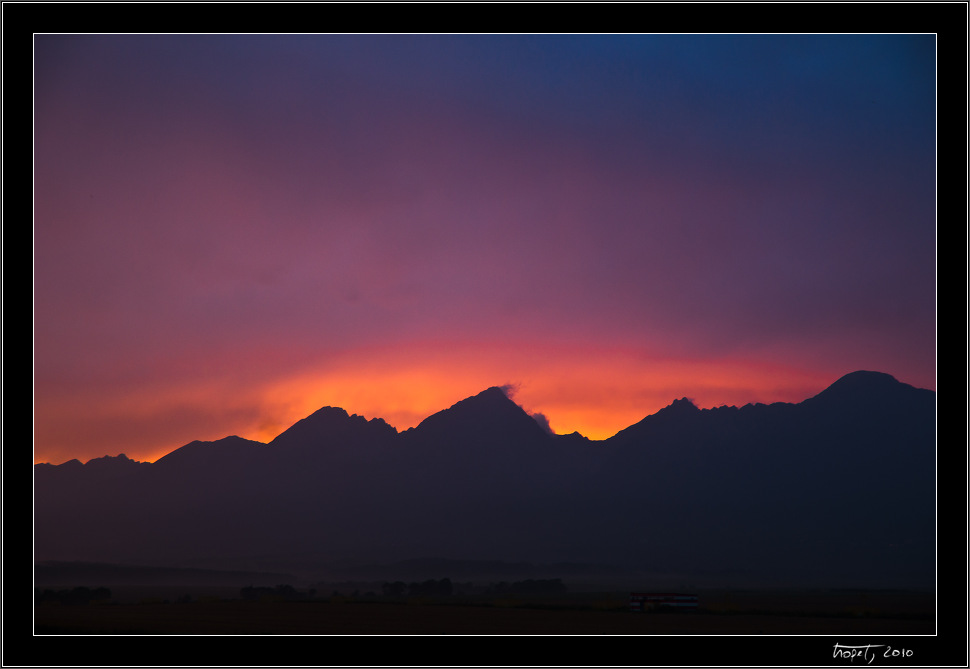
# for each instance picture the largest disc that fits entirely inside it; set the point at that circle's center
(764, 492)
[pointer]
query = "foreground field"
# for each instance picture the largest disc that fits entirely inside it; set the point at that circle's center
(732, 615)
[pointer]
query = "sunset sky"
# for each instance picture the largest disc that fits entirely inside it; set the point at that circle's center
(231, 232)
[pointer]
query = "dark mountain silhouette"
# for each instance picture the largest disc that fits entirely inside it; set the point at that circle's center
(835, 491)
(331, 426)
(489, 416)
(205, 454)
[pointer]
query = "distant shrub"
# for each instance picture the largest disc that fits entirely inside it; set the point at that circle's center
(430, 588)
(279, 593)
(77, 596)
(395, 589)
(529, 586)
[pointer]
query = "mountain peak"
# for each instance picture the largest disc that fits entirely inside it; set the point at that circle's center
(330, 424)
(494, 396)
(490, 412)
(863, 377)
(681, 406)
(871, 386)
(108, 459)
(120, 462)
(491, 400)
(210, 452)
(676, 415)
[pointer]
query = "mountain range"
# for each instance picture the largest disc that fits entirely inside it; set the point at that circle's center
(838, 490)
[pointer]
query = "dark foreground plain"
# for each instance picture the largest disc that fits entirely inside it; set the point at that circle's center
(721, 613)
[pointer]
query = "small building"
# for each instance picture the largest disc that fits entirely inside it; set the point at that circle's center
(662, 601)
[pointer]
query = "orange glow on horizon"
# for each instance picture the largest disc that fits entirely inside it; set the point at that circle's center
(595, 395)
(578, 389)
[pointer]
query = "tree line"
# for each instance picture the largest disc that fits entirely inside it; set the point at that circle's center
(429, 588)
(77, 596)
